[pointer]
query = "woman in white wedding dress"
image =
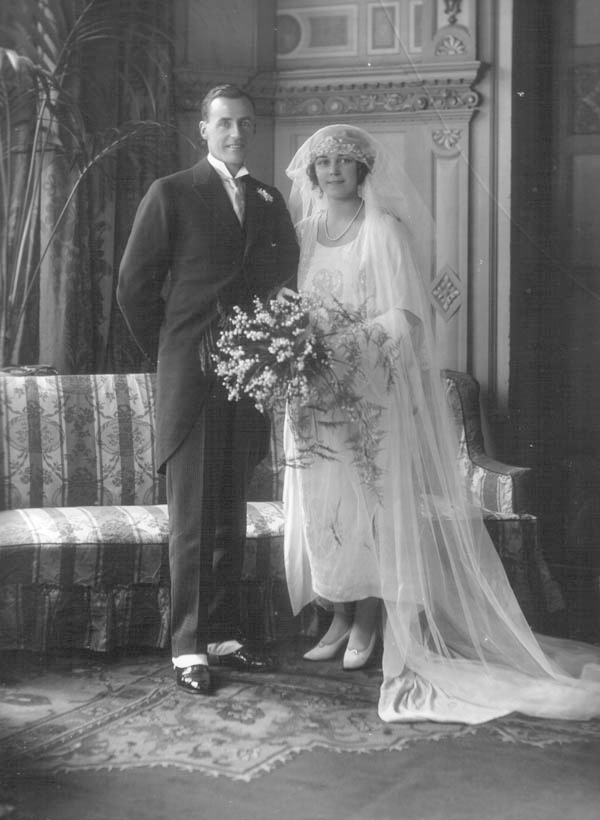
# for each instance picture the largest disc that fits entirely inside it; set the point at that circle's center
(395, 533)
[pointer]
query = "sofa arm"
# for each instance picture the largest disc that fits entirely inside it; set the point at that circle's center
(500, 487)
(495, 485)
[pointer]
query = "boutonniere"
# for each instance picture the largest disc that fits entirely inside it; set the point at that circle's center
(265, 195)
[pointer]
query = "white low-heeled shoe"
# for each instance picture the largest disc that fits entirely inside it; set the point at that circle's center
(357, 658)
(326, 651)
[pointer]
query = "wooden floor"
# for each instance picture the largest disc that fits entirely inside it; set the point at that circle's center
(469, 778)
(478, 776)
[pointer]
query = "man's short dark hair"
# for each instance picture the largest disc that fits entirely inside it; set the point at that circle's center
(232, 92)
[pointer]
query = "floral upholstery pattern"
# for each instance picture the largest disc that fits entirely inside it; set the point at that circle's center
(84, 523)
(67, 441)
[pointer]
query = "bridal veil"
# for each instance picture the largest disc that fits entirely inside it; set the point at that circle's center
(457, 646)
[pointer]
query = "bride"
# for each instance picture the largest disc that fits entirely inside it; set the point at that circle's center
(405, 542)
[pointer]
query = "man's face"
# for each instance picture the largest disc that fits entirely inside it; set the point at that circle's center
(229, 130)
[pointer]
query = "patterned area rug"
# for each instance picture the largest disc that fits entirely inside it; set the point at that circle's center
(126, 713)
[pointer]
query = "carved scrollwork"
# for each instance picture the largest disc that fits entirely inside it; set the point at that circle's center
(341, 98)
(313, 107)
(335, 105)
(295, 102)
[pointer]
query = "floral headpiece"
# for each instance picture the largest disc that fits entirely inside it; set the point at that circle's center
(343, 144)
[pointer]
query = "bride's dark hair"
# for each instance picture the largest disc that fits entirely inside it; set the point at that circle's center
(361, 172)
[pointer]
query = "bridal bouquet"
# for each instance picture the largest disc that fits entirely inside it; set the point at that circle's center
(270, 354)
(310, 357)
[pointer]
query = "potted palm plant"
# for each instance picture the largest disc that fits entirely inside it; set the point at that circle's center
(55, 122)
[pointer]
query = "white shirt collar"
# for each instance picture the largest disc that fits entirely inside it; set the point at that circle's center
(223, 171)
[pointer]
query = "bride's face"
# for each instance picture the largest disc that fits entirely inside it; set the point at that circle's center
(337, 175)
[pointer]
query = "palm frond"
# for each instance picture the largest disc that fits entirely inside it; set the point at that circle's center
(47, 48)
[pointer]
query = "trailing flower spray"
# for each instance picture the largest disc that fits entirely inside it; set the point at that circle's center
(306, 357)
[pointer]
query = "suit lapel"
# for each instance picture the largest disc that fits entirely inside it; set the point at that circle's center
(211, 192)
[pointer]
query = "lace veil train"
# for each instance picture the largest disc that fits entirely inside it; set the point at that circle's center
(456, 645)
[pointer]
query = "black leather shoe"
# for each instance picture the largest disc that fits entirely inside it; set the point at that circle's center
(194, 679)
(246, 661)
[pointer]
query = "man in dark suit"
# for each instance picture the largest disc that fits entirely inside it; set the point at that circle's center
(203, 240)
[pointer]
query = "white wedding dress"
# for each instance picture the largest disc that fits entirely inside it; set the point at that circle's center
(457, 647)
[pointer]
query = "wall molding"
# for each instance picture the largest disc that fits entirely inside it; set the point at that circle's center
(421, 99)
(436, 89)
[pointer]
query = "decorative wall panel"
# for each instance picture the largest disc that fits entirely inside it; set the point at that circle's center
(586, 22)
(586, 108)
(324, 31)
(360, 33)
(383, 20)
(586, 207)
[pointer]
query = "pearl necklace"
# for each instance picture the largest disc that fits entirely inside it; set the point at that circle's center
(348, 226)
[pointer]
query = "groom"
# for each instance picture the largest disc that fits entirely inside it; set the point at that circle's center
(203, 240)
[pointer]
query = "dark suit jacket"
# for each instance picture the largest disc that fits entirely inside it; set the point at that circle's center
(186, 254)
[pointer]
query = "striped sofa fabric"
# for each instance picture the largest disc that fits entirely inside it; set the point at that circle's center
(84, 523)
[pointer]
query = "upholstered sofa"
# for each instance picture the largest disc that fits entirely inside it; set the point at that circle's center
(84, 524)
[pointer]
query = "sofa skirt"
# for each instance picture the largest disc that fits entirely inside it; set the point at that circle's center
(97, 578)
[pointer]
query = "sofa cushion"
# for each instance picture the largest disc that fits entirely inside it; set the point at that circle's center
(87, 546)
(98, 546)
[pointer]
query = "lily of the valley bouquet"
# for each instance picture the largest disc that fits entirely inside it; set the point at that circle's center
(270, 355)
(309, 356)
